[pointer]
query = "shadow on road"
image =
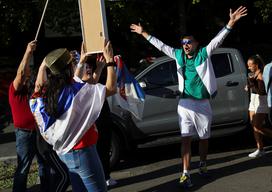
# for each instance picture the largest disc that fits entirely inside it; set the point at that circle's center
(199, 181)
(7, 137)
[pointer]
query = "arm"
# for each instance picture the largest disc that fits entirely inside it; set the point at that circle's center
(24, 70)
(111, 85)
(80, 66)
(153, 40)
(234, 17)
(41, 77)
(100, 63)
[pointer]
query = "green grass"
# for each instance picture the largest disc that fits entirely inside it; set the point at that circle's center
(7, 170)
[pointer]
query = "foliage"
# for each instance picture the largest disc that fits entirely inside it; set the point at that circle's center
(63, 17)
(16, 17)
(7, 170)
(264, 9)
(158, 16)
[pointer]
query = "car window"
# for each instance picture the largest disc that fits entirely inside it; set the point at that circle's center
(222, 64)
(164, 74)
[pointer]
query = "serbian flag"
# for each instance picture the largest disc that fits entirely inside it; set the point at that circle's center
(79, 106)
(130, 95)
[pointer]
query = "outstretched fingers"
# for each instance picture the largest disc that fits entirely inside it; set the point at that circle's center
(136, 28)
(242, 11)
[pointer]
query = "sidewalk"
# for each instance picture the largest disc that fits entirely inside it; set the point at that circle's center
(7, 144)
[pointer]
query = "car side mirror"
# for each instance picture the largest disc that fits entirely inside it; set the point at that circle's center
(142, 84)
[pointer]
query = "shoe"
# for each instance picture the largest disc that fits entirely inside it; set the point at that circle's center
(257, 153)
(111, 182)
(185, 181)
(202, 169)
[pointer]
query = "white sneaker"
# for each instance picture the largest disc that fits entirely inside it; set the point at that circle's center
(257, 153)
(111, 182)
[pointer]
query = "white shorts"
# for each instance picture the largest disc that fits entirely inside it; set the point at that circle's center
(258, 103)
(195, 117)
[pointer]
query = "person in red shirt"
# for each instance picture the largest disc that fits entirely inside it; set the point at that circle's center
(28, 141)
(24, 122)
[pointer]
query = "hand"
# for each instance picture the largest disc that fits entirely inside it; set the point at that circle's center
(100, 61)
(246, 88)
(136, 28)
(236, 15)
(83, 55)
(31, 46)
(108, 52)
(76, 57)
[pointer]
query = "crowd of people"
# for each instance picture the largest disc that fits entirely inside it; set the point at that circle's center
(61, 115)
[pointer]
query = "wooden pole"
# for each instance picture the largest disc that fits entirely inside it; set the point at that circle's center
(39, 27)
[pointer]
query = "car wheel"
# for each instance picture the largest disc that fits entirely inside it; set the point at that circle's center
(115, 150)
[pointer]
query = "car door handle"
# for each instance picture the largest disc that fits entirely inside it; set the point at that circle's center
(172, 94)
(176, 93)
(232, 83)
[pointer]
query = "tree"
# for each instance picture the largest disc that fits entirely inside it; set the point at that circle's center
(264, 8)
(16, 17)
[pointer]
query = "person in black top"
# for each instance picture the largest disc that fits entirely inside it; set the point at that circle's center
(258, 107)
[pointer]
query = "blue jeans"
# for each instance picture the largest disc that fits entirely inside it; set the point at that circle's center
(85, 170)
(26, 150)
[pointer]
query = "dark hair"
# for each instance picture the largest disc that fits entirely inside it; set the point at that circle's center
(188, 35)
(257, 59)
(53, 87)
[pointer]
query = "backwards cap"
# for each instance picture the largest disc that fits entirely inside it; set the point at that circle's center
(57, 60)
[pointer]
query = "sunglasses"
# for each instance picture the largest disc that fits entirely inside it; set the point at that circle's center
(186, 41)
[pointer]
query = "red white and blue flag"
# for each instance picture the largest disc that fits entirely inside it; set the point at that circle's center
(130, 95)
(79, 106)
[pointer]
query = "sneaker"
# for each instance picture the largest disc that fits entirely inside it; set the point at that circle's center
(257, 153)
(185, 181)
(202, 170)
(111, 182)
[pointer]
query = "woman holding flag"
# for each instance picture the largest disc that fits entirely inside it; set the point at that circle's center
(66, 109)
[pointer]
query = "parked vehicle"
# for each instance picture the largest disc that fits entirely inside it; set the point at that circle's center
(160, 119)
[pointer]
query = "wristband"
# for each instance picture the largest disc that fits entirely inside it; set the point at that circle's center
(110, 64)
(79, 65)
(228, 27)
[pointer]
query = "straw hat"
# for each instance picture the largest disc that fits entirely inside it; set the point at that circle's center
(57, 60)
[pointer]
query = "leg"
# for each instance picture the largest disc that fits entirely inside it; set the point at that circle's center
(44, 173)
(56, 177)
(185, 180)
(259, 119)
(257, 122)
(85, 163)
(186, 153)
(203, 149)
(25, 149)
(59, 180)
(104, 143)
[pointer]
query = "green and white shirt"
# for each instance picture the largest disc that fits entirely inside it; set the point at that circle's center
(196, 75)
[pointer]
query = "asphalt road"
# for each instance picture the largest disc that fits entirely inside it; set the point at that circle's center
(157, 169)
